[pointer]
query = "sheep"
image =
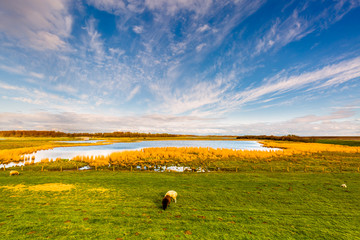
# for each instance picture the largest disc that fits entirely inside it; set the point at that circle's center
(172, 194)
(167, 199)
(343, 185)
(13, 172)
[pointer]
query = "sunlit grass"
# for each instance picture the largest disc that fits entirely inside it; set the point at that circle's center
(110, 205)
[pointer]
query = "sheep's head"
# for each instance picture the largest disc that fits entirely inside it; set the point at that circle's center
(166, 202)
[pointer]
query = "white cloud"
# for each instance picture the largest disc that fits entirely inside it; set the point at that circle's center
(338, 115)
(155, 123)
(41, 25)
(36, 75)
(138, 29)
(172, 7)
(281, 33)
(14, 69)
(94, 42)
(200, 47)
(116, 51)
(111, 6)
(197, 98)
(133, 93)
(325, 77)
(341, 8)
(65, 88)
(203, 28)
(329, 128)
(42, 98)
(6, 86)
(299, 24)
(21, 70)
(75, 122)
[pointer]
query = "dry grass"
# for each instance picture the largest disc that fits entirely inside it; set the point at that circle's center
(52, 187)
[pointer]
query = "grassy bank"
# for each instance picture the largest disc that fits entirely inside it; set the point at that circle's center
(125, 205)
(354, 143)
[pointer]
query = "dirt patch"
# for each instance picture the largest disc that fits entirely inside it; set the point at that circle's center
(53, 187)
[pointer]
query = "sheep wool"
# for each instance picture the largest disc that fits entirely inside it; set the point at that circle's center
(12, 173)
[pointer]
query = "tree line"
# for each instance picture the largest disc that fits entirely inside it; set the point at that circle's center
(35, 133)
(292, 138)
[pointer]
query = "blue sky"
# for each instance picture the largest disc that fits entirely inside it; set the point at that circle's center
(181, 66)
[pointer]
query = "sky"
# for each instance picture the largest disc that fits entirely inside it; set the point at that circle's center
(227, 67)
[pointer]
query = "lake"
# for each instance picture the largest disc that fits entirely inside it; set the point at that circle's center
(70, 152)
(96, 150)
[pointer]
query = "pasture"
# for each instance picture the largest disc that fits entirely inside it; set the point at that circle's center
(217, 205)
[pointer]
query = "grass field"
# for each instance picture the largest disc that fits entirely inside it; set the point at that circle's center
(340, 142)
(127, 205)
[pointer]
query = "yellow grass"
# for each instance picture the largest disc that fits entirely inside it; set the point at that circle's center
(202, 156)
(188, 156)
(53, 187)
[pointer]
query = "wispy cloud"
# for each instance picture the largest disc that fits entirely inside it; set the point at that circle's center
(282, 33)
(200, 47)
(337, 115)
(181, 65)
(36, 24)
(172, 7)
(65, 88)
(218, 97)
(325, 77)
(133, 93)
(198, 98)
(94, 41)
(111, 6)
(138, 29)
(14, 69)
(21, 70)
(75, 122)
(203, 28)
(41, 98)
(300, 24)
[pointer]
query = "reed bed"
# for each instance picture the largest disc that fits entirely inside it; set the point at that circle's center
(281, 157)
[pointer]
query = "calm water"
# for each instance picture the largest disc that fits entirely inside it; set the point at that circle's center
(82, 141)
(70, 152)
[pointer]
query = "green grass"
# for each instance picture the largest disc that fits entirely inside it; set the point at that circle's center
(210, 206)
(353, 143)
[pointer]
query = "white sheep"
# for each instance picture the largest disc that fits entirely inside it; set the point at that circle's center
(343, 185)
(13, 172)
